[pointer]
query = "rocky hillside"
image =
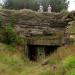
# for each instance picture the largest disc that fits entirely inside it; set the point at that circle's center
(26, 21)
(28, 17)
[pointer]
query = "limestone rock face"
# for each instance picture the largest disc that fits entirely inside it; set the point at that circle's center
(28, 21)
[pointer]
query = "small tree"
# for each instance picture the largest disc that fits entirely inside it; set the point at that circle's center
(10, 36)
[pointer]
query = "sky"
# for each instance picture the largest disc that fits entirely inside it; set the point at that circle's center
(1, 1)
(71, 6)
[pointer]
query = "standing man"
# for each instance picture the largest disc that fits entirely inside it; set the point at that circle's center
(40, 8)
(49, 9)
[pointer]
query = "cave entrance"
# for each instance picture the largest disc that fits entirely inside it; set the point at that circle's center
(50, 49)
(32, 52)
(38, 51)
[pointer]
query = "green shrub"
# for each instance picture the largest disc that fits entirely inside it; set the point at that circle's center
(69, 62)
(67, 67)
(8, 35)
(11, 37)
(12, 20)
(1, 22)
(2, 37)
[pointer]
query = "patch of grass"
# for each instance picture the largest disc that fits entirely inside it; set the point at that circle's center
(69, 65)
(61, 53)
(66, 67)
(13, 62)
(46, 73)
(62, 61)
(69, 62)
(4, 48)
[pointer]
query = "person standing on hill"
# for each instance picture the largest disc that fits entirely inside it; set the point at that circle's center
(49, 9)
(40, 8)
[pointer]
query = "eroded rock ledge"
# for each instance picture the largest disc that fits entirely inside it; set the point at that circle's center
(30, 21)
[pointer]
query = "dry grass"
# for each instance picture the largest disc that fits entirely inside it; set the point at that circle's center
(62, 61)
(62, 52)
(12, 62)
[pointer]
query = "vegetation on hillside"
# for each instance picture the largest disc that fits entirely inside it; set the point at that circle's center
(60, 62)
(8, 34)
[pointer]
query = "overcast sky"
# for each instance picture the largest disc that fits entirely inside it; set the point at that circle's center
(1, 1)
(71, 5)
(70, 8)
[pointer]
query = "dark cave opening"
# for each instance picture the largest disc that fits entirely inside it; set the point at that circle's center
(50, 49)
(33, 51)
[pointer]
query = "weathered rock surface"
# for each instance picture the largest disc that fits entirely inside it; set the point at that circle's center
(27, 21)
